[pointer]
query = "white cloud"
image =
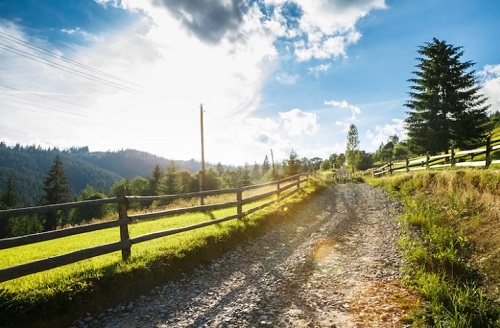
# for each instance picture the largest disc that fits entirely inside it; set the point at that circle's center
(329, 26)
(320, 68)
(382, 133)
(331, 17)
(490, 76)
(355, 112)
(297, 122)
(287, 78)
(281, 134)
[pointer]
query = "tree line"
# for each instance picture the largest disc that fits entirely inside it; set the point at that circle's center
(169, 180)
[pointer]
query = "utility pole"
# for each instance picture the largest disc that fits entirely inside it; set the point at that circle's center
(202, 172)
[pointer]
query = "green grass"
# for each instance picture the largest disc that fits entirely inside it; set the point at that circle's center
(441, 243)
(44, 294)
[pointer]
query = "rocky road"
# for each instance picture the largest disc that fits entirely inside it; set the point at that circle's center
(334, 263)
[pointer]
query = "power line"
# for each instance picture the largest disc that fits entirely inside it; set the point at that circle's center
(37, 106)
(81, 70)
(216, 120)
(51, 98)
(62, 110)
(66, 68)
(54, 55)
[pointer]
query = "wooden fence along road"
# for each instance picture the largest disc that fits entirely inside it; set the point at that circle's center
(124, 219)
(445, 160)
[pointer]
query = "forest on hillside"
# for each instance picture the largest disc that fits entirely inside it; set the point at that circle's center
(74, 175)
(28, 165)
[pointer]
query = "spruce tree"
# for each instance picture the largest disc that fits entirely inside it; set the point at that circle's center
(56, 190)
(256, 172)
(170, 183)
(293, 164)
(265, 166)
(8, 200)
(352, 154)
(220, 168)
(9, 197)
(154, 181)
(244, 174)
(445, 104)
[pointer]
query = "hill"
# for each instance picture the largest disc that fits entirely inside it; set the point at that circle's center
(28, 166)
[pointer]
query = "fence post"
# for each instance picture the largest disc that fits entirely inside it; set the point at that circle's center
(278, 188)
(390, 167)
(239, 199)
(488, 151)
(124, 235)
(407, 164)
(298, 181)
(427, 160)
(453, 155)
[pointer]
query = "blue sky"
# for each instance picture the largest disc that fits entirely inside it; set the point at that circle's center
(271, 74)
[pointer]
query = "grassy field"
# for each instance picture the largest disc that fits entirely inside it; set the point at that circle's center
(76, 287)
(452, 244)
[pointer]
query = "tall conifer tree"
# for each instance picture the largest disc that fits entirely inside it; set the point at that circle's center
(265, 166)
(8, 200)
(445, 104)
(154, 181)
(352, 153)
(56, 190)
(293, 164)
(9, 197)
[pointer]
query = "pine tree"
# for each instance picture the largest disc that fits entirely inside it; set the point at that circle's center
(293, 164)
(220, 168)
(445, 105)
(244, 174)
(265, 166)
(55, 191)
(9, 197)
(154, 181)
(352, 154)
(8, 200)
(256, 172)
(171, 184)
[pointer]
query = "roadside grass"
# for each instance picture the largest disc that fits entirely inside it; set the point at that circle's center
(451, 241)
(75, 287)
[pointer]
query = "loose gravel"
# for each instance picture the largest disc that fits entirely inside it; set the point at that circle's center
(334, 263)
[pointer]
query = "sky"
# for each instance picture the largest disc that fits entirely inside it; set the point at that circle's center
(270, 75)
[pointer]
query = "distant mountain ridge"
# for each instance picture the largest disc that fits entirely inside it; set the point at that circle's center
(28, 166)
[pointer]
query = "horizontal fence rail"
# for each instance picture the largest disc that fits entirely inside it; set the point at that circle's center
(124, 219)
(463, 158)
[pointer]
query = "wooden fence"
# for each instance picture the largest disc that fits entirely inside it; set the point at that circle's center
(124, 219)
(460, 158)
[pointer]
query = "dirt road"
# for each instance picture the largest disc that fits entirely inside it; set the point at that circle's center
(332, 264)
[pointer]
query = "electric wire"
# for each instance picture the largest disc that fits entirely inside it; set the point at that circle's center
(50, 98)
(37, 106)
(216, 120)
(67, 69)
(65, 59)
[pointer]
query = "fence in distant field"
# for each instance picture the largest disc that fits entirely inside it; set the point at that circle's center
(124, 219)
(452, 159)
